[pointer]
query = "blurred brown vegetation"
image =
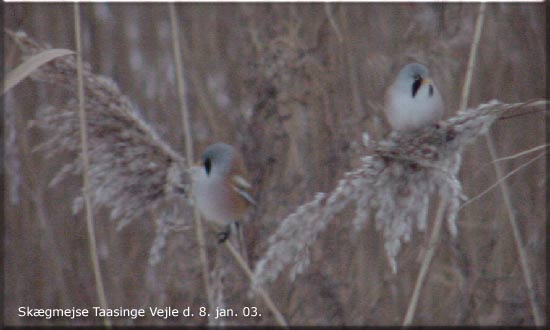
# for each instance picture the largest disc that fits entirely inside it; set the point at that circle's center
(293, 86)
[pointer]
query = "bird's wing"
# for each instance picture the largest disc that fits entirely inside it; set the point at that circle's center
(241, 186)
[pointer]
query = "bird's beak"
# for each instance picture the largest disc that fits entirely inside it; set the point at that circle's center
(426, 81)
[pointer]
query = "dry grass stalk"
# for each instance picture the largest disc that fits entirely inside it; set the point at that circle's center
(333, 24)
(265, 296)
(527, 275)
(215, 297)
(392, 186)
(434, 241)
(522, 153)
(520, 247)
(465, 96)
(86, 169)
(502, 178)
(243, 264)
(439, 218)
(199, 232)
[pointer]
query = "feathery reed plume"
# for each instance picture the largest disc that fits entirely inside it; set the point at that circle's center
(392, 186)
(131, 168)
(166, 223)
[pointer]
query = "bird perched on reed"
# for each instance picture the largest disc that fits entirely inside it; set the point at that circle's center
(220, 188)
(413, 101)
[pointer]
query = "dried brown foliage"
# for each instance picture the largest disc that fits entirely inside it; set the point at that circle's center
(295, 91)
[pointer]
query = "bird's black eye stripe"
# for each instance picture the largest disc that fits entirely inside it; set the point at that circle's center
(431, 90)
(207, 165)
(416, 86)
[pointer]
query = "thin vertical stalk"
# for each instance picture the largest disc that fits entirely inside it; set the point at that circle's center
(86, 168)
(181, 83)
(189, 153)
(443, 202)
(249, 274)
(332, 22)
(199, 231)
(426, 261)
(472, 58)
(527, 275)
(265, 296)
(352, 68)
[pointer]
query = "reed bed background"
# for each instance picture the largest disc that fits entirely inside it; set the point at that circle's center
(294, 87)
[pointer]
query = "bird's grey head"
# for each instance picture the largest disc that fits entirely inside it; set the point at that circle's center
(412, 76)
(216, 154)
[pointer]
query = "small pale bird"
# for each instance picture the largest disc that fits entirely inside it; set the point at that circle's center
(413, 101)
(220, 188)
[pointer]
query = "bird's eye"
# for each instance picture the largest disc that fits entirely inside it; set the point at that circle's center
(416, 86)
(207, 165)
(417, 77)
